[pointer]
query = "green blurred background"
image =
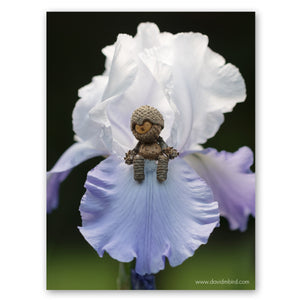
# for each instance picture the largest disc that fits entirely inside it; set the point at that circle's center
(74, 43)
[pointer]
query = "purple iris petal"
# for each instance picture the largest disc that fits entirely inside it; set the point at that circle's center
(231, 180)
(142, 282)
(147, 221)
(73, 156)
(53, 183)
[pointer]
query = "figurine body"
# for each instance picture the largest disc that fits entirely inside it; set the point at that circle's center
(146, 125)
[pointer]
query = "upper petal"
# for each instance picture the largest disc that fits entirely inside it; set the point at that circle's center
(123, 66)
(84, 127)
(147, 36)
(149, 221)
(118, 78)
(203, 87)
(231, 180)
(115, 112)
(178, 74)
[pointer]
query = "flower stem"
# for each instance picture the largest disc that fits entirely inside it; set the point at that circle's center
(123, 280)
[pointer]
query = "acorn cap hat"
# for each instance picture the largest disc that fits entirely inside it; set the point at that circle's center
(146, 113)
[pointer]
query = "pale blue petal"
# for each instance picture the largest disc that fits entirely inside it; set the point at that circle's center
(73, 156)
(53, 183)
(231, 180)
(147, 221)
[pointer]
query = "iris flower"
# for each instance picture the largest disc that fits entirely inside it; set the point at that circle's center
(192, 87)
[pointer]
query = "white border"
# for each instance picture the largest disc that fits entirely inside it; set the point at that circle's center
(23, 145)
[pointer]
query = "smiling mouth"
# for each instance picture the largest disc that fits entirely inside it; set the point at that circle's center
(145, 127)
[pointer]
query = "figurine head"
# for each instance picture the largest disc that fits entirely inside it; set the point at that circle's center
(146, 124)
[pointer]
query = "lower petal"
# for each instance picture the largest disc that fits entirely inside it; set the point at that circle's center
(231, 180)
(53, 183)
(73, 156)
(150, 220)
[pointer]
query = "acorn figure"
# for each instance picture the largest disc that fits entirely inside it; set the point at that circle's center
(146, 124)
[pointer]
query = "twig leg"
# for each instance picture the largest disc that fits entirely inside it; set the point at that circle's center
(162, 168)
(138, 168)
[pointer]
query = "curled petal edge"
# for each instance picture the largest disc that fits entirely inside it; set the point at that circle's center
(73, 156)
